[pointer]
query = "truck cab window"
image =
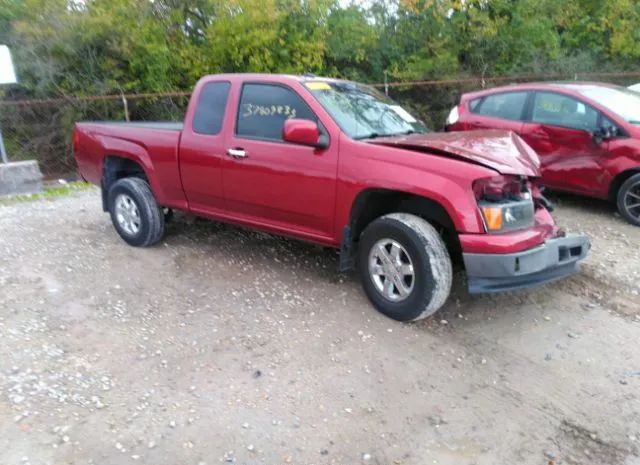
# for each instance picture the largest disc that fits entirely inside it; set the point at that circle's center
(210, 110)
(264, 108)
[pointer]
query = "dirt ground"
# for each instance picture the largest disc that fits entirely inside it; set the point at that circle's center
(227, 346)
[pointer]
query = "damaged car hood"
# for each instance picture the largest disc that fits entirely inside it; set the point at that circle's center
(503, 151)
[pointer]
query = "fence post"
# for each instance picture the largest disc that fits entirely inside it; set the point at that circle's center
(3, 151)
(386, 84)
(125, 104)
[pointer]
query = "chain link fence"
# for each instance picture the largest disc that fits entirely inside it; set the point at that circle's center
(42, 129)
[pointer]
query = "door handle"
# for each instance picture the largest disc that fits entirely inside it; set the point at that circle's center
(237, 153)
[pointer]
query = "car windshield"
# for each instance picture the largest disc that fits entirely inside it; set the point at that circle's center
(623, 102)
(362, 112)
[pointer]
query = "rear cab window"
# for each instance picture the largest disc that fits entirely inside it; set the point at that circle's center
(210, 108)
(263, 109)
(505, 105)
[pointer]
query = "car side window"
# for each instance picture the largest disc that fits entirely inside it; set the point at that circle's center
(473, 104)
(562, 110)
(264, 108)
(210, 110)
(506, 105)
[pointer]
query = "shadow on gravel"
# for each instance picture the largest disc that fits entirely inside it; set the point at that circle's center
(312, 263)
(259, 248)
(584, 204)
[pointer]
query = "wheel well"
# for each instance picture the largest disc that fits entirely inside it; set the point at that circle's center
(619, 180)
(374, 203)
(117, 168)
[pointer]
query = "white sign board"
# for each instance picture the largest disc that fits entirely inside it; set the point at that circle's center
(7, 73)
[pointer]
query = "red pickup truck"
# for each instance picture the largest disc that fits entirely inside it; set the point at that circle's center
(339, 164)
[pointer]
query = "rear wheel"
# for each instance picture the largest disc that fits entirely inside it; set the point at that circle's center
(135, 213)
(404, 266)
(629, 199)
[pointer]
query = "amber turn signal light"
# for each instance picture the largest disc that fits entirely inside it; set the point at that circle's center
(492, 218)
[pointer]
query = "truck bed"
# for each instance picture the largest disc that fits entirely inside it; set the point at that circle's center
(162, 125)
(153, 145)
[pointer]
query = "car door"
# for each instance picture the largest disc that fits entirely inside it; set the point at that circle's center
(560, 129)
(268, 181)
(202, 149)
(503, 110)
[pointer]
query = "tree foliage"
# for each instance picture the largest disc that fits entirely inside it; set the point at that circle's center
(106, 46)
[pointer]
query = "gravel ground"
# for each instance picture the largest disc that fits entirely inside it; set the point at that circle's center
(227, 346)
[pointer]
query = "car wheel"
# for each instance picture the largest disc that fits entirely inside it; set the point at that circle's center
(135, 213)
(404, 266)
(629, 199)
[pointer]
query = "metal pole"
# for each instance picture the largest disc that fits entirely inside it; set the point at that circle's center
(3, 152)
(386, 85)
(125, 104)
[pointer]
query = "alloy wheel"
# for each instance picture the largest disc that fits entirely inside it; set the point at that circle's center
(127, 214)
(391, 270)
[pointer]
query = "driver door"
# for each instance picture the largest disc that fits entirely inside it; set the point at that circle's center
(560, 129)
(273, 183)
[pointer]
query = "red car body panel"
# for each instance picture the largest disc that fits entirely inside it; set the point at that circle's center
(503, 151)
(308, 192)
(570, 159)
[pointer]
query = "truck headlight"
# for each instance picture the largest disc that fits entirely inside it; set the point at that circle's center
(505, 203)
(508, 216)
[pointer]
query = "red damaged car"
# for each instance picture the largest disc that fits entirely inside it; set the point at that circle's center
(338, 164)
(587, 135)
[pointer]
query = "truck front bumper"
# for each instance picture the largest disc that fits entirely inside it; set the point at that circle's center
(555, 259)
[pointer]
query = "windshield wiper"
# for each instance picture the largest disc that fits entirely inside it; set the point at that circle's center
(405, 133)
(371, 135)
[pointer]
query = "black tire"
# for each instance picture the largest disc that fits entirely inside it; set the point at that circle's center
(150, 217)
(629, 194)
(430, 264)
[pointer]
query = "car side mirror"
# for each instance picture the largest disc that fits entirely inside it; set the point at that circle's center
(303, 132)
(602, 134)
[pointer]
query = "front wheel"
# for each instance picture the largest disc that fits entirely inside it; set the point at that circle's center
(135, 213)
(404, 266)
(629, 199)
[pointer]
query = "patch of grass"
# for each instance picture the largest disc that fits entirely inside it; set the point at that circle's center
(49, 193)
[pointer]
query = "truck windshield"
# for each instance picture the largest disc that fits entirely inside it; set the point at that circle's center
(623, 102)
(362, 112)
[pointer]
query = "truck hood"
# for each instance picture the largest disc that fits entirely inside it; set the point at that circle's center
(503, 151)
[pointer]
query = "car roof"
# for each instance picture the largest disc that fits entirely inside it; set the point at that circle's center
(562, 86)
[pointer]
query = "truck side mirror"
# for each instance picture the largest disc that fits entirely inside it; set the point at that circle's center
(303, 132)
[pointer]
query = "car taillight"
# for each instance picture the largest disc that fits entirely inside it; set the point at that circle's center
(454, 116)
(505, 203)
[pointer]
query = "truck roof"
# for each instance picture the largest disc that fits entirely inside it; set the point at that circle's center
(277, 77)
